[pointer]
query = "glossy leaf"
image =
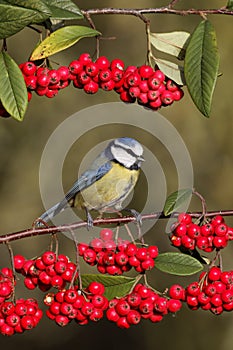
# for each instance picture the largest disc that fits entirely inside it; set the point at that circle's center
(177, 264)
(173, 43)
(201, 66)
(60, 40)
(13, 92)
(41, 11)
(115, 286)
(13, 19)
(171, 70)
(175, 200)
(63, 9)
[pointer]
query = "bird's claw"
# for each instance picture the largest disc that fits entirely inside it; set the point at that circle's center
(137, 216)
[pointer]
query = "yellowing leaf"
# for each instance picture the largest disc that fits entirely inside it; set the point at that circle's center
(61, 39)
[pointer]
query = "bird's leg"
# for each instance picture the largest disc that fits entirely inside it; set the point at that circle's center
(136, 214)
(89, 219)
(38, 223)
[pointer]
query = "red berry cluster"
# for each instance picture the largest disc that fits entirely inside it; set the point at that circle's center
(45, 271)
(116, 258)
(70, 304)
(213, 292)
(214, 234)
(19, 316)
(148, 86)
(6, 284)
(141, 303)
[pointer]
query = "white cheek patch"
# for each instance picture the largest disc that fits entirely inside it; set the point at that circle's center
(122, 156)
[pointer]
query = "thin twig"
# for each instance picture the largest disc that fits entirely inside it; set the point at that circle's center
(9, 237)
(160, 10)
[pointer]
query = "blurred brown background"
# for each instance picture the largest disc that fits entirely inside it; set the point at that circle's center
(209, 142)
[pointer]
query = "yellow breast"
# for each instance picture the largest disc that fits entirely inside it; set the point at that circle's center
(110, 191)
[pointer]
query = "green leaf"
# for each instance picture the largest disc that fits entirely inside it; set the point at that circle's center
(63, 9)
(171, 70)
(60, 40)
(230, 5)
(115, 286)
(177, 264)
(201, 66)
(175, 200)
(13, 91)
(173, 43)
(41, 11)
(13, 19)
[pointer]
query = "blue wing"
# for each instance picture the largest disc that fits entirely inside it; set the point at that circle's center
(86, 179)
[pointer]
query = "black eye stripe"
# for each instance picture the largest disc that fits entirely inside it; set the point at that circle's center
(128, 150)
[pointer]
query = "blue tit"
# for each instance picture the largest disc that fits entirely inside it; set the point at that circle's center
(107, 183)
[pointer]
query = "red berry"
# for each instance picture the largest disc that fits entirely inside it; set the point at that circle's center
(218, 219)
(43, 80)
(219, 242)
(193, 289)
(91, 87)
(48, 258)
(92, 69)
(112, 315)
(75, 67)
(174, 305)
(184, 218)
(143, 86)
(156, 104)
(145, 71)
(105, 75)
(207, 229)
(31, 82)
(106, 234)
(134, 299)
(19, 261)
(194, 231)
(54, 76)
(202, 242)
(27, 322)
(85, 58)
(134, 91)
(121, 258)
(167, 97)
(122, 307)
(102, 62)
(159, 75)
(181, 230)
(133, 317)
(123, 323)
(107, 85)
(177, 292)
(117, 63)
(96, 288)
(6, 330)
(62, 320)
(177, 95)
(153, 251)
(89, 255)
(134, 79)
(171, 85)
(214, 274)
(221, 229)
(64, 73)
(83, 78)
(125, 97)
(29, 68)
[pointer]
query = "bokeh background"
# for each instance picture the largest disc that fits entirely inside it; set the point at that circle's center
(209, 142)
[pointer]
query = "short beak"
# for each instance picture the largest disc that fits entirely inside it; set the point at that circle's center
(141, 159)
